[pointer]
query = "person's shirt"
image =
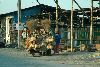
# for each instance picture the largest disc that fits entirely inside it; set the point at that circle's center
(24, 34)
(57, 39)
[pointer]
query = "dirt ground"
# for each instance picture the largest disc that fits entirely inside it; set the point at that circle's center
(73, 58)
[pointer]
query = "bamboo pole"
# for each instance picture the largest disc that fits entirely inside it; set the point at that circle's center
(72, 27)
(91, 25)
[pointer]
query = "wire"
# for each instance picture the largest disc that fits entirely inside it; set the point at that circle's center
(56, 3)
(38, 2)
(43, 7)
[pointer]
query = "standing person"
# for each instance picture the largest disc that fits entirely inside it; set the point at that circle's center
(57, 41)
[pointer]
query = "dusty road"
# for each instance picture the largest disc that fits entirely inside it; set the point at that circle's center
(17, 58)
(14, 59)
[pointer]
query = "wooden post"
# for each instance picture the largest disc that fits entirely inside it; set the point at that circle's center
(99, 4)
(56, 29)
(19, 20)
(72, 27)
(49, 16)
(91, 25)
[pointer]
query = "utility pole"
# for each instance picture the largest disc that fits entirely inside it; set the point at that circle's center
(91, 25)
(56, 29)
(19, 20)
(71, 35)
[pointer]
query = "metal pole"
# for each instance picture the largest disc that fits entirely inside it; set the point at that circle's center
(91, 25)
(72, 27)
(19, 20)
(56, 16)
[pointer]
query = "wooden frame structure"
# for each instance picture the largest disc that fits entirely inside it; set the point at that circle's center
(91, 23)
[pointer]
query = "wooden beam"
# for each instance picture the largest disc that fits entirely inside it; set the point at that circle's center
(95, 0)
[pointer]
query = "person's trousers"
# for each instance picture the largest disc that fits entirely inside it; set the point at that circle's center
(56, 49)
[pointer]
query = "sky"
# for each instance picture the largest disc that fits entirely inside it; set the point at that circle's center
(7, 6)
